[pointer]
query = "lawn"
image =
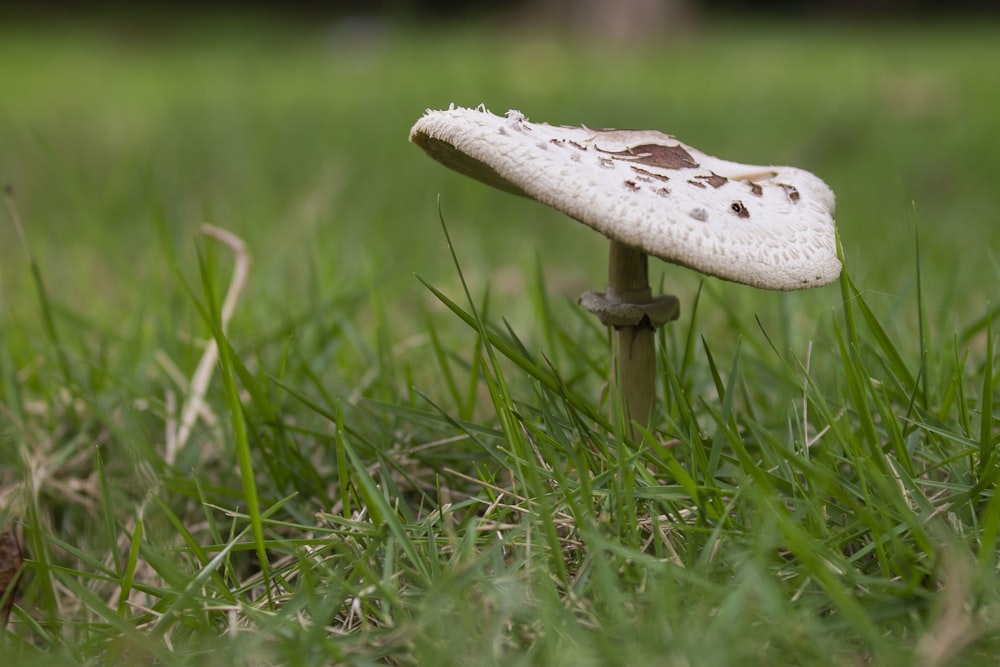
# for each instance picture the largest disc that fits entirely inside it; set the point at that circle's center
(402, 452)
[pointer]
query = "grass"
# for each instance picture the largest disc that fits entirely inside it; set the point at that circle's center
(399, 470)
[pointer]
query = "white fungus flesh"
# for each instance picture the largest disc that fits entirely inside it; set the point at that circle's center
(769, 227)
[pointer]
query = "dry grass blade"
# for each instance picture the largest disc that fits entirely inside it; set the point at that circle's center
(195, 403)
(11, 560)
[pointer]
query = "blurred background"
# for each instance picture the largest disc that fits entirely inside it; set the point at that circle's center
(585, 9)
(122, 129)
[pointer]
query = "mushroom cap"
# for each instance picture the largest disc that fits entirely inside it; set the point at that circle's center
(769, 227)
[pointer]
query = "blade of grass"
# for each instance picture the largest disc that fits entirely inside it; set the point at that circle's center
(847, 297)
(725, 392)
(48, 320)
(107, 507)
(893, 359)
(987, 443)
(128, 575)
(441, 356)
(216, 318)
(922, 333)
(241, 443)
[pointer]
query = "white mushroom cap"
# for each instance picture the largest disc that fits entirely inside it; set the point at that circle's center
(769, 227)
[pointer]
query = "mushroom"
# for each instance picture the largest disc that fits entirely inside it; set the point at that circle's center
(650, 194)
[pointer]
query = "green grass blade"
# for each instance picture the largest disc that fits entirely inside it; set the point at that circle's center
(244, 456)
(128, 575)
(922, 332)
(241, 442)
(987, 441)
(107, 508)
(48, 319)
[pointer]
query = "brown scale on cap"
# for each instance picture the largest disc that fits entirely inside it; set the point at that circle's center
(649, 175)
(714, 180)
(790, 190)
(656, 155)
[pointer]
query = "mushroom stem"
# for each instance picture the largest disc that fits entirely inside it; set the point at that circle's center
(633, 349)
(633, 313)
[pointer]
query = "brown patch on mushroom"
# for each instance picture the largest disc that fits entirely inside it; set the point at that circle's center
(632, 185)
(739, 209)
(650, 174)
(697, 184)
(657, 155)
(790, 191)
(755, 189)
(663, 192)
(714, 179)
